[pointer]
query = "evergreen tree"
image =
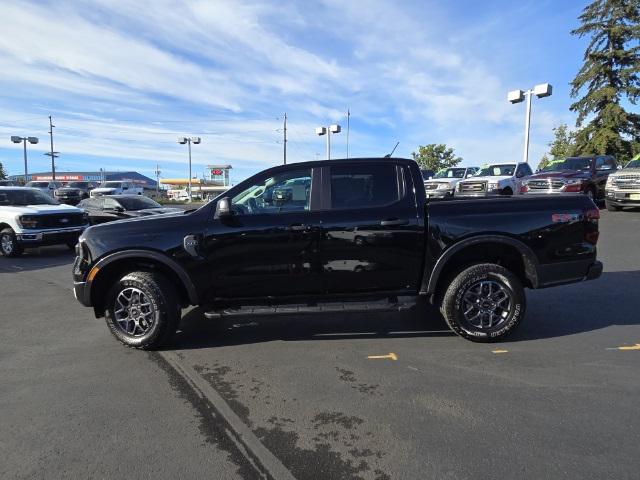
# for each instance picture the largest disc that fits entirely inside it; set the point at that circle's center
(3, 174)
(563, 144)
(608, 77)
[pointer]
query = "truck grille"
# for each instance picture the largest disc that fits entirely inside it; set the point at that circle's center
(547, 184)
(627, 182)
(60, 220)
(473, 187)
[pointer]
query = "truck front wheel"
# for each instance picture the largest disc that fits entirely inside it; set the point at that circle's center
(142, 310)
(9, 245)
(484, 303)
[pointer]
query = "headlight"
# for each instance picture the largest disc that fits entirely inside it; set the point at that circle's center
(493, 185)
(573, 181)
(28, 221)
(442, 186)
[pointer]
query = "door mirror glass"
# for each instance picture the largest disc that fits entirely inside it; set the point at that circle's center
(223, 208)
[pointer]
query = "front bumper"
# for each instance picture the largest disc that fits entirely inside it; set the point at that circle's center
(70, 200)
(82, 292)
(36, 238)
(439, 193)
(620, 198)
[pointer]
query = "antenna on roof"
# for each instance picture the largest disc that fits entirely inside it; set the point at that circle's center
(388, 155)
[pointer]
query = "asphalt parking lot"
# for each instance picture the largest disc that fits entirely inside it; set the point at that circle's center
(302, 397)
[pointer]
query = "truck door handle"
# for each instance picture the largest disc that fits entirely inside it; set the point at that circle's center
(297, 227)
(393, 221)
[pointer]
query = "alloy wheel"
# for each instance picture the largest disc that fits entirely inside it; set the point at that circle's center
(486, 304)
(7, 244)
(134, 313)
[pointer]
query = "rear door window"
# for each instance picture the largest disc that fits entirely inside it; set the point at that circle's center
(364, 186)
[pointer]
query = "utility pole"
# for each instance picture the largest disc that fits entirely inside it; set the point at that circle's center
(53, 156)
(157, 181)
(285, 138)
(348, 118)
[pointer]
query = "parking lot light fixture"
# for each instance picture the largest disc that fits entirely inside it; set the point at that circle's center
(188, 141)
(516, 96)
(328, 131)
(24, 140)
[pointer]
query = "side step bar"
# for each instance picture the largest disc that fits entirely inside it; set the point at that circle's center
(395, 304)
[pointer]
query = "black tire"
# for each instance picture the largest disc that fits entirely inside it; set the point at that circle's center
(465, 285)
(591, 193)
(506, 191)
(158, 292)
(9, 246)
(611, 207)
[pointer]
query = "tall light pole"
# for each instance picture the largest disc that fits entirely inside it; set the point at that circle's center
(24, 140)
(189, 141)
(516, 96)
(157, 172)
(328, 131)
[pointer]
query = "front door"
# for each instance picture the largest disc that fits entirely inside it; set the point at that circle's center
(269, 246)
(371, 236)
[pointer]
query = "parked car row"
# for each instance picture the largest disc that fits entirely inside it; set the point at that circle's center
(73, 193)
(29, 217)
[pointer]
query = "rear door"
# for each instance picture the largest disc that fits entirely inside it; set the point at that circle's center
(370, 230)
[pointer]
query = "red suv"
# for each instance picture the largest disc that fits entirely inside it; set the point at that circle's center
(587, 174)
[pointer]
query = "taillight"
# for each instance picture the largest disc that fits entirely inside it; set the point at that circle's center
(524, 188)
(592, 234)
(575, 187)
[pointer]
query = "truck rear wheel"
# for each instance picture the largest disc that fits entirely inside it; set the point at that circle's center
(142, 310)
(9, 243)
(484, 303)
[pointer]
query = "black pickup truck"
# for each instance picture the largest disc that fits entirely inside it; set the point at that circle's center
(341, 235)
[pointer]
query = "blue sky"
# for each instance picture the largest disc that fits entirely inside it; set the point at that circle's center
(123, 80)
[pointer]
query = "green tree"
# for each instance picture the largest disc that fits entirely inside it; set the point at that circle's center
(544, 162)
(435, 157)
(563, 143)
(3, 174)
(609, 75)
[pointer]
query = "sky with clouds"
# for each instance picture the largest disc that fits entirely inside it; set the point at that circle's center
(123, 80)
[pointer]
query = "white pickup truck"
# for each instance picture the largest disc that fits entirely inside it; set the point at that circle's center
(116, 188)
(30, 218)
(495, 179)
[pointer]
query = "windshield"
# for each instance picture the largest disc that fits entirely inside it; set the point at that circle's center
(77, 185)
(572, 163)
(633, 164)
(426, 174)
(25, 196)
(110, 184)
(451, 173)
(138, 203)
(496, 171)
(38, 184)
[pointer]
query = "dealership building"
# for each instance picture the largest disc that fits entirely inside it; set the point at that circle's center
(133, 177)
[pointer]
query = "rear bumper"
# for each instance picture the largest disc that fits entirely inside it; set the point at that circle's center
(568, 272)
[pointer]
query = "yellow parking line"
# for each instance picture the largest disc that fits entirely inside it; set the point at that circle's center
(499, 351)
(632, 347)
(389, 356)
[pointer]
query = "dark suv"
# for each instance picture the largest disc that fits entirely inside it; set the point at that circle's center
(587, 174)
(74, 192)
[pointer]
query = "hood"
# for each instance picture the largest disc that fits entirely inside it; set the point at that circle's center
(448, 181)
(104, 190)
(626, 171)
(40, 209)
(560, 175)
(154, 211)
(491, 178)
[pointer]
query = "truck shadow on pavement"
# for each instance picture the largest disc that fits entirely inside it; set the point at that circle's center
(198, 332)
(37, 259)
(556, 312)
